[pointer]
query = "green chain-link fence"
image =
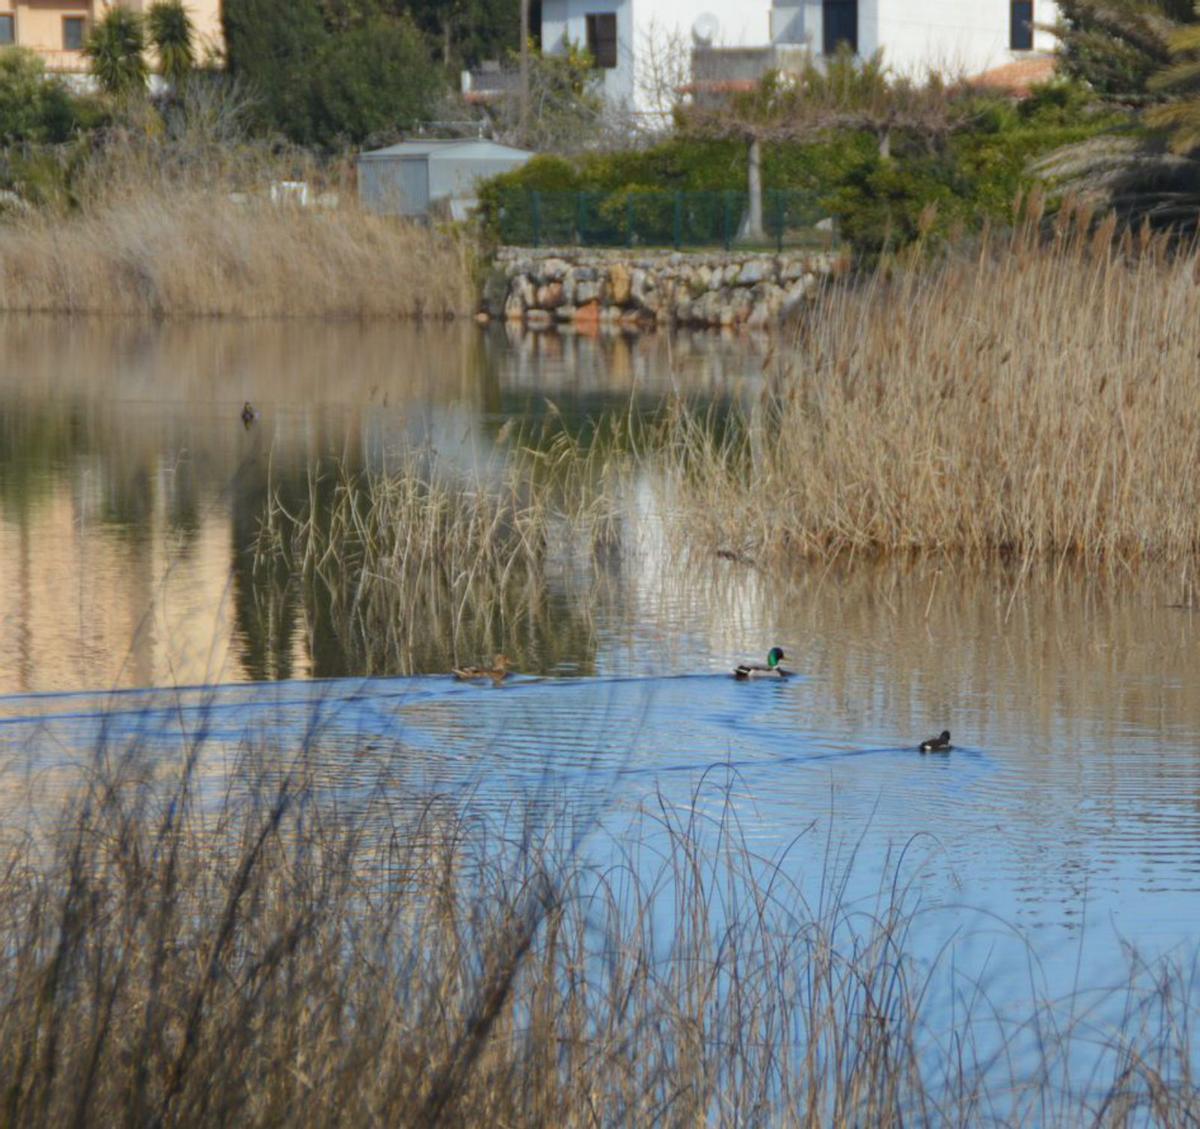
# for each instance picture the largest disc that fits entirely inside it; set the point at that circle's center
(660, 219)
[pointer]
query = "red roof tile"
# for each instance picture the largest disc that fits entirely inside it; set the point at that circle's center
(1017, 78)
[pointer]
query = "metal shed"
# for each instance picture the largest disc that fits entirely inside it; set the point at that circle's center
(405, 179)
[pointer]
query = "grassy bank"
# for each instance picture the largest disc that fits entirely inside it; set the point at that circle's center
(184, 251)
(1031, 400)
(266, 957)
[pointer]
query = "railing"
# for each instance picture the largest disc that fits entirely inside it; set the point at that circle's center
(662, 219)
(484, 84)
(63, 62)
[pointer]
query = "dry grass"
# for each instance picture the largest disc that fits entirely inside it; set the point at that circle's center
(169, 215)
(1032, 401)
(192, 252)
(384, 554)
(267, 958)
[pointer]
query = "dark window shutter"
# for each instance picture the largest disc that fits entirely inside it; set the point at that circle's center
(1021, 30)
(602, 38)
(839, 19)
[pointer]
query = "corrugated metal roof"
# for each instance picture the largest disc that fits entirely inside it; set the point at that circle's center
(468, 148)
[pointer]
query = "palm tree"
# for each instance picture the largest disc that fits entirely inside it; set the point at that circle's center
(1114, 46)
(116, 48)
(173, 35)
(1150, 170)
(1179, 118)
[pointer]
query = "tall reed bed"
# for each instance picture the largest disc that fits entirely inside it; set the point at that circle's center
(1034, 400)
(268, 956)
(169, 214)
(187, 251)
(420, 553)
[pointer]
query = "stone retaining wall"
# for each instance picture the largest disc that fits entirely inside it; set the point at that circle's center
(588, 287)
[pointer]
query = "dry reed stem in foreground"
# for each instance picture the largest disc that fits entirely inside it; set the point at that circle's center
(274, 957)
(1031, 402)
(168, 252)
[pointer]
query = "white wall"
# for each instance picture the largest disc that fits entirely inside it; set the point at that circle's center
(663, 28)
(796, 22)
(566, 21)
(956, 36)
(741, 23)
(646, 27)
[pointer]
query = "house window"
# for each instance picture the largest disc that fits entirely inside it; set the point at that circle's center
(535, 22)
(602, 39)
(73, 32)
(1021, 25)
(839, 19)
(7, 29)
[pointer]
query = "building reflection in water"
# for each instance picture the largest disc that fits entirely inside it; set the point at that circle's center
(130, 493)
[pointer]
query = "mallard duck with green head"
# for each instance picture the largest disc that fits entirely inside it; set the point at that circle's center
(497, 672)
(757, 670)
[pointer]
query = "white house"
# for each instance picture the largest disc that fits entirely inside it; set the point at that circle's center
(629, 38)
(632, 39)
(957, 36)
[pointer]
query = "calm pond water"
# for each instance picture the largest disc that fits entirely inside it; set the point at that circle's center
(1067, 819)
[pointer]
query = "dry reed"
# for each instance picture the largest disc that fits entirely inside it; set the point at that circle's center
(190, 252)
(1032, 401)
(170, 214)
(386, 553)
(268, 958)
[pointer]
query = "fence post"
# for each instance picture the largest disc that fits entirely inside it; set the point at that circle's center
(678, 220)
(725, 219)
(629, 220)
(580, 217)
(779, 220)
(535, 204)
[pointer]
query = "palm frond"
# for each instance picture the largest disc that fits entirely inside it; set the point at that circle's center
(1137, 176)
(1180, 76)
(173, 35)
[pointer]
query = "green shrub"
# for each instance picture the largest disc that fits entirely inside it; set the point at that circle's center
(322, 81)
(996, 167)
(33, 107)
(644, 209)
(373, 79)
(505, 202)
(888, 204)
(41, 175)
(927, 187)
(543, 173)
(602, 186)
(271, 46)
(1060, 102)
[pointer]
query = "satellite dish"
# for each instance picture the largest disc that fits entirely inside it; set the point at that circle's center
(704, 29)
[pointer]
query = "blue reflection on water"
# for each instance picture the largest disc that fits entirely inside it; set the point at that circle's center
(1002, 889)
